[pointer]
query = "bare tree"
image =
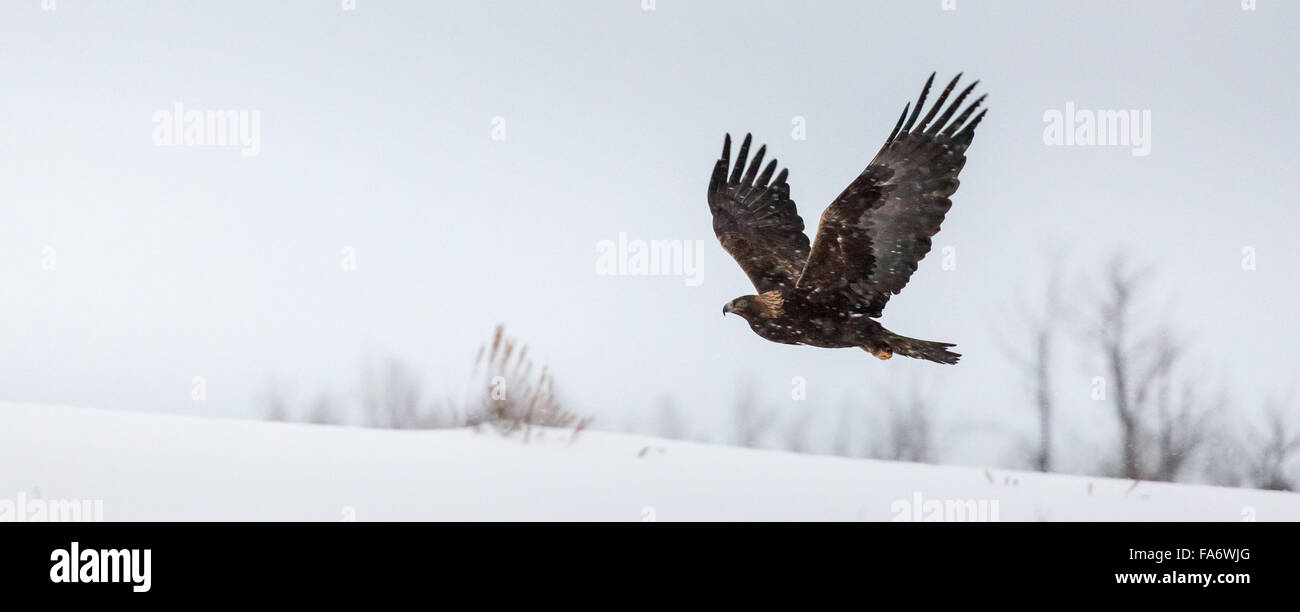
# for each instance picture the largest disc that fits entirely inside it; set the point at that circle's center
(1275, 447)
(1036, 364)
(751, 421)
(909, 430)
(392, 398)
(670, 423)
(842, 444)
(1224, 460)
(323, 411)
(277, 405)
(795, 434)
(1115, 309)
(1162, 416)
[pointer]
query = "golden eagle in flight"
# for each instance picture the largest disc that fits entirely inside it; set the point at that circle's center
(869, 242)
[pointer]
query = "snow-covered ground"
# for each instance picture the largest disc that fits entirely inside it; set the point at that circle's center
(161, 467)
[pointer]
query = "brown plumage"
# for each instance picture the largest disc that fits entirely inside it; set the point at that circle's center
(869, 243)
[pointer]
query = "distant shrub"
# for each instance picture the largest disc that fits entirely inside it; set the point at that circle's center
(505, 393)
(513, 397)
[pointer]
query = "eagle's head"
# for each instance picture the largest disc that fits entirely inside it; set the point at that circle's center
(751, 307)
(739, 306)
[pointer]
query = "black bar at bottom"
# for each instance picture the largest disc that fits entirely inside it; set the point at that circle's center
(185, 559)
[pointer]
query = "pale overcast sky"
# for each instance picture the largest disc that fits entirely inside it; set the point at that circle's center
(130, 268)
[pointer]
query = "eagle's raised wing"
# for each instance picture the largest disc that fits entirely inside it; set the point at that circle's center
(874, 234)
(756, 221)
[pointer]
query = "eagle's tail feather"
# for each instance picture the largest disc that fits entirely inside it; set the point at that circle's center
(922, 349)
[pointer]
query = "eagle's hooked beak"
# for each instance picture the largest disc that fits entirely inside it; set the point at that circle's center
(726, 308)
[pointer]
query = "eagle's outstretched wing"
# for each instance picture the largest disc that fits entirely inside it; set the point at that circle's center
(755, 219)
(875, 233)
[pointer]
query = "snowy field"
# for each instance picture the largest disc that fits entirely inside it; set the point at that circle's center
(161, 467)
